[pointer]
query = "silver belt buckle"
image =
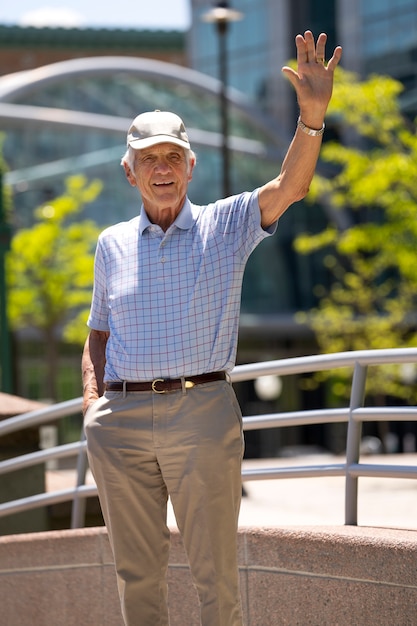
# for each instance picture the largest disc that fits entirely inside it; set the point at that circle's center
(153, 386)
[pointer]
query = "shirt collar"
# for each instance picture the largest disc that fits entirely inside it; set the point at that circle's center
(184, 220)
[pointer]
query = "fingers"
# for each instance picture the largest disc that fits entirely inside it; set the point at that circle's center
(307, 51)
(337, 55)
(302, 54)
(310, 52)
(320, 51)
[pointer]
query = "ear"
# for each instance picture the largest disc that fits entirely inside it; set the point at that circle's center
(129, 174)
(190, 169)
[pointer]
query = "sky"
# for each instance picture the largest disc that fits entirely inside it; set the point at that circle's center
(141, 14)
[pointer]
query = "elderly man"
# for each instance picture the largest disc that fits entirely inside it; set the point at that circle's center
(161, 418)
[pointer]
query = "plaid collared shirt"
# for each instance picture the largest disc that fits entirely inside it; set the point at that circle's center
(171, 300)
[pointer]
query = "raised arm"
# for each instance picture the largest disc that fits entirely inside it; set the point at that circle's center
(92, 366)
(313, 83)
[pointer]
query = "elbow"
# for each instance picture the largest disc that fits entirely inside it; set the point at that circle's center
(302, 193)
(298, 194)
(296, 190)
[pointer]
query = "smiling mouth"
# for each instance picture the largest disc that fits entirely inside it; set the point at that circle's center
(167, 184)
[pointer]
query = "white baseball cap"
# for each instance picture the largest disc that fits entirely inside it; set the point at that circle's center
(149, 129)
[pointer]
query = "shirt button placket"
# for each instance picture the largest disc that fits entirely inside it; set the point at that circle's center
(161, 258)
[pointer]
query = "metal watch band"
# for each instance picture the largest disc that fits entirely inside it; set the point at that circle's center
(310, 131)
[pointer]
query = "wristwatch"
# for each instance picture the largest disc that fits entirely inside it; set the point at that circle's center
(310, 131)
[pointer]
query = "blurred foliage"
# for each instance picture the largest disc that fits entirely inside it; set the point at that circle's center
(371, 301)
(50, 270)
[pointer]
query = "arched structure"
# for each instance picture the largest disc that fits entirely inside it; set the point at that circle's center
(74, 115)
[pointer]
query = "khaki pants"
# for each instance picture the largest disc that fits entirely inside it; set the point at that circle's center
(143, 446)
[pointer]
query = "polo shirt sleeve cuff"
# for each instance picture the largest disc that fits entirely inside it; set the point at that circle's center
(97, 325)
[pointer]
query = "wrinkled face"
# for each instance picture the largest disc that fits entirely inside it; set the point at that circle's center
(161, 173)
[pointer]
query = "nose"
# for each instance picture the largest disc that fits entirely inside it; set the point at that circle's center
(162, 166)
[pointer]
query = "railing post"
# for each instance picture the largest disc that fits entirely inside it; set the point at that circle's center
(357, 396)
(79, 504)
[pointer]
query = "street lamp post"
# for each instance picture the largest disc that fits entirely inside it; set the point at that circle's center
(221, 15)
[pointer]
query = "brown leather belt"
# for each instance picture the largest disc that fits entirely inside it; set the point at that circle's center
(163, 385)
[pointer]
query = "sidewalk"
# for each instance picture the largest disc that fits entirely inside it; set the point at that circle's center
(382, 502)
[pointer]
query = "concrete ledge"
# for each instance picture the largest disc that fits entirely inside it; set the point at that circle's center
(298, 576)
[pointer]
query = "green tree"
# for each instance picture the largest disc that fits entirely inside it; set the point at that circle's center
(50, 272)
(370, 248)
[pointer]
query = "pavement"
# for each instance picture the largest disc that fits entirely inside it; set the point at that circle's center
(382, 502)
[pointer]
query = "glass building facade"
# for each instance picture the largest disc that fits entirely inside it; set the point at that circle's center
(248, 54)
(378, 36)
(259, 45)
(389, 44)
(390, 26)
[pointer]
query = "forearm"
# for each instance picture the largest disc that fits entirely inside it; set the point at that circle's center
(293, 182)
(92, 366)
(299, 165)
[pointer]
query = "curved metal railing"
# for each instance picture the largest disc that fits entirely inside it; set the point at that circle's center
(353, 415)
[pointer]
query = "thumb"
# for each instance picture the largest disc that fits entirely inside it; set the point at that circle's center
(291, 75)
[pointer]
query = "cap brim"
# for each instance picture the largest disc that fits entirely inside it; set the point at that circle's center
(140, 144)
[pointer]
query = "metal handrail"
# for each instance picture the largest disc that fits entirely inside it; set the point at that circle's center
(34, 458)
(354, 415)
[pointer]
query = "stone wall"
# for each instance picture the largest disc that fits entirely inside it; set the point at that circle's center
(294, 576)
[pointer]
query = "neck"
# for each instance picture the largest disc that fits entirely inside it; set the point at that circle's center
(163, 217)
